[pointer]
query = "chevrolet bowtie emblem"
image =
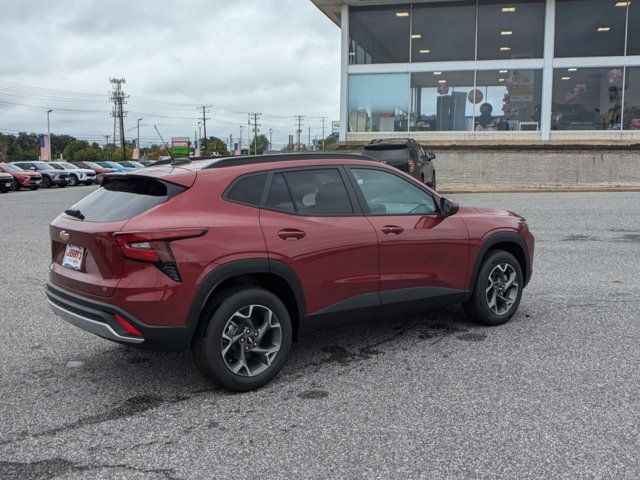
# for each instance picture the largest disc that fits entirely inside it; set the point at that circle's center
(64, 236)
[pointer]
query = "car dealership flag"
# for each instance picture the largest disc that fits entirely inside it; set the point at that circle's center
(45, 148)
(136, 150)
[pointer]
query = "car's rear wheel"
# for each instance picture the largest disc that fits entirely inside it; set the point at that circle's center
(244, 339)
(73, 181)
(498, 289)
(46, 182)
(15, 186)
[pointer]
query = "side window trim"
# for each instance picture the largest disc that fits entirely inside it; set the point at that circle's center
(363, 200)
(356, 204)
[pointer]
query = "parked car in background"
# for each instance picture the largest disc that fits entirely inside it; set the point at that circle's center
(76, 175)
(6, 181)
(21, 178)
(131, 164)
(235, 257)
(115, 165)
(94, 166)
(50, 176)
(146, 163)
(406, 155)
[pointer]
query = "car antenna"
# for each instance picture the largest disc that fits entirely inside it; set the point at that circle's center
(164, 143)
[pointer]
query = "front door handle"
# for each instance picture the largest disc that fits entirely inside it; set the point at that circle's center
(392, 230)
(291, 234)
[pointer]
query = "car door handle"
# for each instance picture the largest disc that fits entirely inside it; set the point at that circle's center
(392, 230)
(291, 234)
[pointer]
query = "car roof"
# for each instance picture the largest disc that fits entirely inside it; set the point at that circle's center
(380, 142)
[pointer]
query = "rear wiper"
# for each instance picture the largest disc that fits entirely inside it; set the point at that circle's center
(75, 213)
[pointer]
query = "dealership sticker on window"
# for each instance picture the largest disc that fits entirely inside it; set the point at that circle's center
(73, 257)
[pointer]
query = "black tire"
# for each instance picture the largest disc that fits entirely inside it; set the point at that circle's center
(62, 185)
(88, 183)
(15, 185)
(478, 308)
(46, 182)
(34, 188)
(73, 181)
(207, 343)
(4, 190)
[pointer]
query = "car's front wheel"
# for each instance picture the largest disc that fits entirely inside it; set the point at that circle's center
(73, 181)
(498, 289)
(244, 338)
(15, 185)
(46, 182)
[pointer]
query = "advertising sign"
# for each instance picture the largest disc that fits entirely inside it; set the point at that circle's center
(180, 146)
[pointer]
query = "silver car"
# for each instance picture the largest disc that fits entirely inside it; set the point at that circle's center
(76, 175)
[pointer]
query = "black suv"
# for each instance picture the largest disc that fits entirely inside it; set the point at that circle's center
(404, 154)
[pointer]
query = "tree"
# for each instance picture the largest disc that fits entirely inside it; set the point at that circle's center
(215, 145)
(90, 154)
(118, 154)
(70, 150)
(263, 144)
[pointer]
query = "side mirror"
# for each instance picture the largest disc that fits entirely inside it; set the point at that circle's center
(448, 207)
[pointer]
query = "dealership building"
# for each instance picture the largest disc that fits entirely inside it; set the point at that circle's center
(483, 72)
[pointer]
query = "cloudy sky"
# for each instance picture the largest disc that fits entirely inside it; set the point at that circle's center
(278, 57)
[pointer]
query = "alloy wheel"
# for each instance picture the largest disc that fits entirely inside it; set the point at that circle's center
(251, 340)
(502, 288)
(15, 186)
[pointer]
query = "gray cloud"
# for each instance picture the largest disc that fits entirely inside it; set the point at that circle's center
(279, 57)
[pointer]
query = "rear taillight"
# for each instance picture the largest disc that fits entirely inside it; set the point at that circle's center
(412, 166)
(153, 247)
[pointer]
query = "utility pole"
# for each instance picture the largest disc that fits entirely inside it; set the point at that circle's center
(138, 139)
(299, 118)
(241, 128)
(205, 110)
(255, 125)
(323, 137)
(309, 142)
(106, 143)
(49, 135)
(271, 139)
(119, 99)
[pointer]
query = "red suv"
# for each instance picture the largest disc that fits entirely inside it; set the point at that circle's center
(235, 257)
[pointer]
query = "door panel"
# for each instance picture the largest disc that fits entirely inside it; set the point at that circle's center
(418, 247)
(336, 258)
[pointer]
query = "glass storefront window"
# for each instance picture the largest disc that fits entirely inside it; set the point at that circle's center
(633, 32)
(508, 100)
(378, 103)
(508, 29)
(587, 98)
(443, 31)
(631, 119)
(379, 34)
(590, 28)
(440, 101)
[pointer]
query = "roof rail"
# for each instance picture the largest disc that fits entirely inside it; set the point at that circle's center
(281, 157)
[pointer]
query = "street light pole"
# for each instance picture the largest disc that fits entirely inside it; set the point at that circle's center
(49, 133)
(240, 140)
(271, 139)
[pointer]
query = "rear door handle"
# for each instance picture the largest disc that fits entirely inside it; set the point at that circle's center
(392, 230)
(291, 234)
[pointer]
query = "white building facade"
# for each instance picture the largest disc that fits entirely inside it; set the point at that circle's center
(489, 71)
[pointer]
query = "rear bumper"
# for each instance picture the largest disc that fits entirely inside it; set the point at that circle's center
(100, 319)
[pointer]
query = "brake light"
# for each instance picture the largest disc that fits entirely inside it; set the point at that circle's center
(153, 247)
(412, 166)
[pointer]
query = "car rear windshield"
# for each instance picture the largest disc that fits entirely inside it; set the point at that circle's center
(388, 153)
(124, 198)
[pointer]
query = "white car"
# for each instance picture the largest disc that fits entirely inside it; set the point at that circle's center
(76, 175)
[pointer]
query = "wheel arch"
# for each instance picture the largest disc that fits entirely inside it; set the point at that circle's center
(272, 275)
(509, 242)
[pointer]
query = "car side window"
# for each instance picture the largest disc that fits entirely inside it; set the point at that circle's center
(319, 192)
(279, 197)
(248, 190)
(389, 194)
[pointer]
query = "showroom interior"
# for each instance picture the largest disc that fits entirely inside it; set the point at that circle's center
(490, 70)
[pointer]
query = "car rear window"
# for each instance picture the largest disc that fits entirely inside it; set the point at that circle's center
(388, 153)
(123, 198)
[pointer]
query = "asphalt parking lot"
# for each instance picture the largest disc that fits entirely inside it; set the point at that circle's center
(555, 393)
